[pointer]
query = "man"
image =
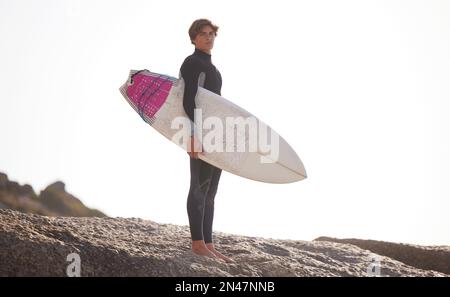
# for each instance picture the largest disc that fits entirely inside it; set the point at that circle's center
(196, 70)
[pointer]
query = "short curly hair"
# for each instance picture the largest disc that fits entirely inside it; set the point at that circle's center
(198, 25)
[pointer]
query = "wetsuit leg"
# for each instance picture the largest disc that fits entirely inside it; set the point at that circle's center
(209, 204)
(201, 175)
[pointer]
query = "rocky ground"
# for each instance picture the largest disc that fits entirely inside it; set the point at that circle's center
(35, 245)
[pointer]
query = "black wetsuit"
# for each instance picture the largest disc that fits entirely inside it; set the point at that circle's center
(197, 69)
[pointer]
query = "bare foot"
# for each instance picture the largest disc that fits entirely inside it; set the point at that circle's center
(199, 248)
(210, 246)
(203, 252)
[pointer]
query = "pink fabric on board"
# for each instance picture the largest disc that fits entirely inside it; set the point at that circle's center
(149, 92)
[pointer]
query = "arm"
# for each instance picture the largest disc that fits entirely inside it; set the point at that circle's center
(190, 71)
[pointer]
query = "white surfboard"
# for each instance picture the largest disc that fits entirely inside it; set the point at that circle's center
(158, 99)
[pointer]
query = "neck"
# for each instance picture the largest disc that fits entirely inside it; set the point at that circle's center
(206, 56)
(206, 51)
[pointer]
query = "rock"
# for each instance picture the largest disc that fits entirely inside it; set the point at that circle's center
(3, 180)
(435, 258)
(27, 190)
(57, 200)
(53, 201)
(34, 245)
(56, 186)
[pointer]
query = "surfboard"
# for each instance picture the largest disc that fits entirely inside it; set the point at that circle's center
(158, 99)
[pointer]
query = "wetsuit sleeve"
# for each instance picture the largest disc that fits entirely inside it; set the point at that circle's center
(190, 71)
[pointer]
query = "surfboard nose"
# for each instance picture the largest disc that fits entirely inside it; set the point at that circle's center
(295, 171)
(280, 167)
(300, 169)
(288, 158)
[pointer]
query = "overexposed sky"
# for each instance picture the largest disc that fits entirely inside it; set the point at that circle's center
(360, 89)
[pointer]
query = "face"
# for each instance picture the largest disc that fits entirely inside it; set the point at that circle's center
(204, 40)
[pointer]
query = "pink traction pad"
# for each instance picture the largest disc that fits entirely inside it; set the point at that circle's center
(148, 92)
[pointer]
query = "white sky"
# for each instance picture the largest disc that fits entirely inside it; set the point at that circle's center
(360, 89)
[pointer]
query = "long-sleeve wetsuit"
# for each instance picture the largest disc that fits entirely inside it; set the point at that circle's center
(197, 69)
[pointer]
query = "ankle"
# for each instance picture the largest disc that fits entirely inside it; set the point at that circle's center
(198, 244)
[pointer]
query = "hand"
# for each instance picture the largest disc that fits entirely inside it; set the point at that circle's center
(194, 143)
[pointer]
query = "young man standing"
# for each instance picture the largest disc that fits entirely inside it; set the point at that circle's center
(196, 70)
